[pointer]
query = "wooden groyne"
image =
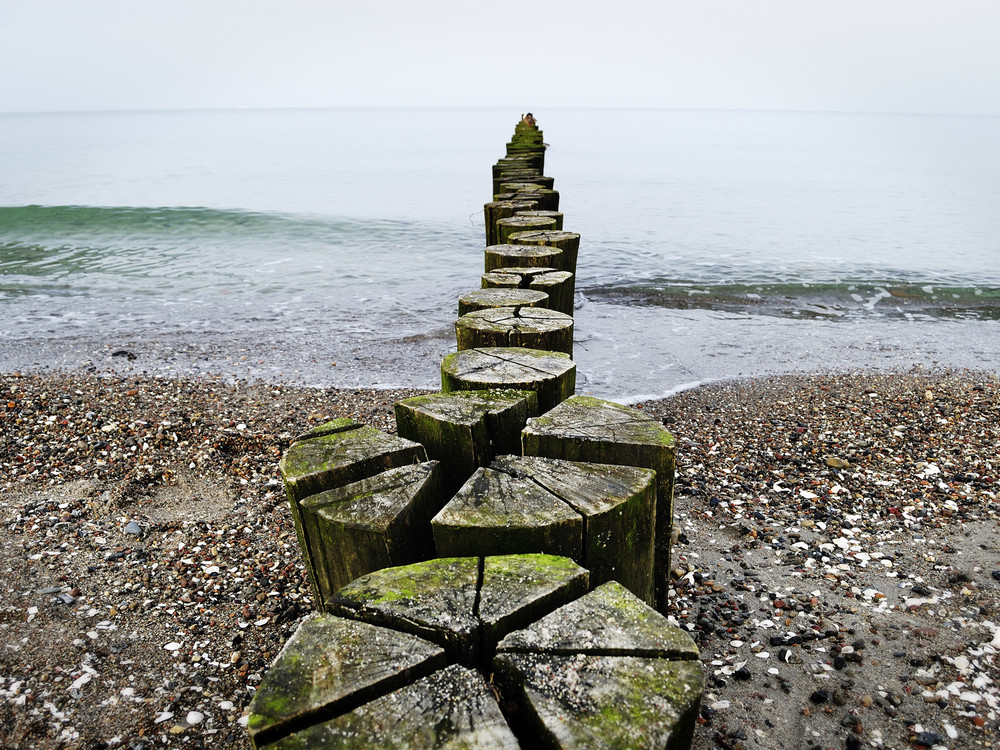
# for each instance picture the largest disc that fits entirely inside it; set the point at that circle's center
(494, 574)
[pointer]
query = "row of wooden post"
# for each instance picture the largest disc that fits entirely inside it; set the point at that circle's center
(444, 557)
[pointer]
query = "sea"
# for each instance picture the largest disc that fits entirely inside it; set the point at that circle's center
(328, 247)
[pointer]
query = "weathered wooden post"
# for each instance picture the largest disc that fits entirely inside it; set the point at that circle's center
(523, 256)
(335, 454)
(557, 215)
(582, 428)
(552, 375)
(600, 515)
(493, 212)
(483, 299)
(464, 430)
(557, 284)
(403, 657)
(529, 327)
(523, 224)
(568, 242)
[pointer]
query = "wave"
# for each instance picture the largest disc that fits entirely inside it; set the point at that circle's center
(73, 250)
(801, 299)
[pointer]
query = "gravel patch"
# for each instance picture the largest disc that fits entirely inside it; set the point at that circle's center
(837, 559)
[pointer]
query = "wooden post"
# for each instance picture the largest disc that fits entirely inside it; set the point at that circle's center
(529, 327)
(557, 215)
(552, 375)
(466, 429)
(531, 176)
(402, 658)
(482, 299)
(590, 429)
(568, 242)
(493, 212)
(557, 284)
(531, 256)
(332, 455)
(548, 200)
(603, 671)
(372, 524)
(599, 515)
(521, 225)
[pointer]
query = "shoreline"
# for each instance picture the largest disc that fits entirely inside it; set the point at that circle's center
(151, 571)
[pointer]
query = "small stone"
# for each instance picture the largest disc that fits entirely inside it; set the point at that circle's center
(742, 674)
(820, 696)
(132, 528)
(172, 646)
(194, 717)
(837, 463)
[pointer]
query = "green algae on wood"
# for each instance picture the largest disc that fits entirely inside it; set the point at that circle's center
(453, 708)
(434, 600)
(376, 523)
(518, 589)
(595, 701)
(466, 429)
(559, 285)
(497, 514)
(552, 375)
(532, 328)
(328, 662)
(484, 299)
(496, 210)
(335, 454)
(609, 620)
(589, 429)
(601, 516)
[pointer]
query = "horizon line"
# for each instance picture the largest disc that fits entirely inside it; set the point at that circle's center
(151, 110)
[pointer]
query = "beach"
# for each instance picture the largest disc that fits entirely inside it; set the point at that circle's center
(837, 555)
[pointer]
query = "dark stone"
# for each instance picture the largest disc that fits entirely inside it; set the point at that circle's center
(820, 696)
(742, 674)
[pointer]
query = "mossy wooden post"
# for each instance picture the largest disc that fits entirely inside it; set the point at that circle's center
(557, 215)
(600, 515)
(603, 671)
(522, 256)
(568, 242)
(548, 200)
(401, 661)
(484, 299)
(332, 455)
(466, 429)
(522, 176)
(528, 327)
(590, 429)
(512, 278)
(493, 212)
(508, 163)
(521, 224)
(376, 523)
(552, 375)
(557, 284)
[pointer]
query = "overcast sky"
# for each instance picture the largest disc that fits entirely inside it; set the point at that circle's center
(937, 56)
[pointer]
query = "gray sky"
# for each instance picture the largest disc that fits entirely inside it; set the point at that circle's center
(937, 56)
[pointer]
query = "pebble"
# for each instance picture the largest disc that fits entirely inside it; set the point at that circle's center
(194, 717)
